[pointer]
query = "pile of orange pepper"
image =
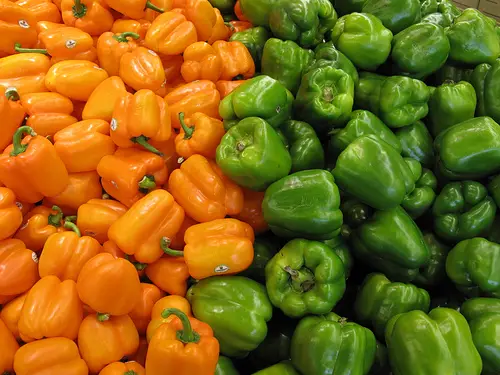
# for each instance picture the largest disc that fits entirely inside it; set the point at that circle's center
(110, 199)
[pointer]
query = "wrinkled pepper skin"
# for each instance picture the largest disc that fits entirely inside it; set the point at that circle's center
(326, 343)
(233, 306)
(318, 216)
(417, 143)
(339, 246)
(379, 299)
(473, 266)
(283, 368)
(437, 343)
(492, 92)
(305, 277)
(436, 19)
(257, 11)
(420, 200)
(449, 10)
(396, 15)
(428, 7)
(225, 367)
(254, 39)
(326, 54)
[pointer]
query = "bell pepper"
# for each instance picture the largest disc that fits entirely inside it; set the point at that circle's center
(252, 211)
(452, 73)
(141, 230)
(442, 337)
(17, 25)
(428, 7)
(326, 54)
(317, 218)
(254, 39)
(473, 39)
(177, 242)
(449, 10)
(236, 60)
(491, 91)
(233, 306)
(51, 309)
(18, 268)
(88, 15)
(32, 168)
(134, 9)
(57, 356)
(170, 34)
(237, 26)
(339, 247)
(156, 318)
(256, 11)
(141, 313)
(111, 47)
(9, 349)
(170, 274)
(436, 19)
(421, 39)
(38, 225)
(139, 27)
(420, 200)
(265, 247)
(469, 149)
(142, 68)
(225, 367)
(25, 72)
(319, 346)
(140, 354)
(283, 368)
(159, 7)
(104, 342)
(285, 61)
(43, 10)
(120, 368)
(11, 312)
(12, 113)
(417, 143)
(434, 272)
(396, 15)
(201, 61)
(11, 215)
(110, 247)
(225, 6)
(246, 147)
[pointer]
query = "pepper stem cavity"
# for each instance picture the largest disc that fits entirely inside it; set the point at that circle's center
(150, 5)
(165, 243)
(188, 132)
(147, 183)
(328, 94)
(79, 9)
(19, 148)
(102, 317)
(55, 219)
(143, 141)
(12, 94)
(72, 226)
(301, 280)
(18, 48)
(122, 38)
(186, 335)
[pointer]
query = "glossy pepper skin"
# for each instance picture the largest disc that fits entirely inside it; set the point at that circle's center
(327, 51)
(417, 143)
(12, 113)
(26, 72)
(18, 26)
(156, 319)
(317, 217)
(442, 337)
(103, 99)
(10, 346)
(63, 43)
(254, 39)
(491, 91)
(18, 268)
(87, 15)
(10, 314)
(170, 34)
(201, 62)
(477, 79)
(111, 47)
(245, 317)
(225, 367)
(236, 60)
(141, 313)
(257, 12)
(120, 368)
(304, 146)
(38, 225)
(11, 215)
(170, 274)
(95, 217)
(142, 68)
(325, 342)
(379, 299)
(420, 200)
(339, 246)
(396, 15)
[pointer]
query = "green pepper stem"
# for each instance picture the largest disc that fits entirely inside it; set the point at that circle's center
(102, 317)
(122, 38)
(150, 5)
(79, 9)
(143, 141)
(70, 218)
(140, 266)
(106, 196)
(302, 280)
(19, 148)
(147, 183)
(18, 48)
(12, 94)
(55, 219)
(188, 132)
(165, 243)
(72, 226)
(131, 372)
(186, 335)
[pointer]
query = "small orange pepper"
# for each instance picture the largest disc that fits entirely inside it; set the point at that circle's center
(96, 216)
(177, 242)
(170, 274)
(9, 349)
(236, 60)
(25, 72)
(167, 302)
(121, 368)
(201, 13)
(237, 26)
(17, 26)
(11, 312)
(238, 12)
(252, 210)
(90, 16)
(139, 27)
(12, 114)
(18, 268)
(111, 248)
(10, 214)
(170, 34)
(141, 314)
(164, 5)
(135, 9)
(227, 87)
(103, 99)
(201, 62)
(220, 31)
(111, 47)
(142, 69)
(43, 10)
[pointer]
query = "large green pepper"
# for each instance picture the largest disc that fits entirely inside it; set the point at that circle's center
(262, 97)
(253, 154)
(450, 104)
(437, 343)
(225, 6)
(379, 299)
(225, 367)
(257, 11)
(434, 272)
(284, 368)
(473, 39)
(483, 315)
(477, 80)
(428, 7)
(303, 21)
(349, 6)
(417, 143)
(374, 172)
(325, 98)
(254, 39)
(449, 11)
(396, 15)
(236, 308)
(420, 200)
(492, 91)
(340, 248)
(327, 51)
(328, 344)
(436, 19)
(363, 39)
(265, 247)
(473, 266)
(463, 210)
(304, 204)
(422, 39)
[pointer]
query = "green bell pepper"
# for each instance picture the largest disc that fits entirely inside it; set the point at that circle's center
(304, 204)
(417, 143)
(449, 11)
(348, 6)
(434, 272)
(264, 248)
(284, 368)
(253, 155)
(436, 19)
(260, 96)
(225, 367)
(303, 21)
(428, 7)
(379, 299)
(304, 146)
(492, 91)
(258, 11)
(494, 189)
(473, 39)
(340, 248)
(452, 73)
(335, 58)
(225, 6)
(437, 343)
(477, 80)
(473, 266)
(254, 39)
(396, 15)
(450, 104)
(374, 172)
(363, 39)
(381, 364)
(236, 308)
(494, 235)
(420, 200)
(421, 39)
(483, 315)
(355, 213)
(367, 91)
(328, 344)
(325, 98)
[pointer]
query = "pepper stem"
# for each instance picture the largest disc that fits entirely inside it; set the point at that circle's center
(188, 132)
(147, 183)
(131, 372)
(150, 5)
(302, 280)
(140, 266)
(55, 219)
(143, 141)
(102, 317)
(186, 335)
(19, 148)
(18, 48)
(165, 243)
(70, 218)
(79, 9)
(12, 94)
(122, 38)
(73, 227)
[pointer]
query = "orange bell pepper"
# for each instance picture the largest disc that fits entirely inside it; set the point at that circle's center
(170, 274)
(43, 10)
(25, 72)
(111, 47)
(139, 27)
(172, 66)
(103, 99)
(199, 96)
(227, 87)
(201, 13)
(167, 302)
(237, 26)
(184, 346)
(11, 312)
(47, 25)
(252, 210)
(24, 207)
(51, 309)
(83, 144)
(96, 216)
(54, 356)
(11, 217)
(234, 193)
(141, 314)
(89, 55)
(9, 349)
(142, 69)
(164, 5)
(202, 136)
(31, 167)
(220, 31)
(17, 26)
(90, 16)
(48, 112)
(140, 355)
(177, 242)
(120, 368)
(201, 62)
(236, 60)
(135, 9)
(238, 12)
(111, 248)
(11, 113)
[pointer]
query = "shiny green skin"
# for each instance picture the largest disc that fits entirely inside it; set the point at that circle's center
(261, 96)
(236, 308)
(473, 39)
(434, 272)
(327, 51)
(483, 315)
(396, 15)
(317, 217)
(399, 254)
(349, 6)
(437, 343)
(285, 61)
(367, 91)
(225, 6)
(417, 143)
(470, 149)
(477, 80)
(494, 189)
(363, 39)
(303, 21)
(254, 39)
(420, 200)
(436, 19)
(421, 39)
(450, 104)
(284, 368)
(452, 73)
(492, 91)
(253, 155)
(374, 172)
(264, 248)
(428, 7)
(361, 123)
(225, 367)
(328, 344)
(379, 299)
(257, 11)
(340, 248)
(449, 11)
(316, 284)
(304, 146)
(355, 213)
(473, 267)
